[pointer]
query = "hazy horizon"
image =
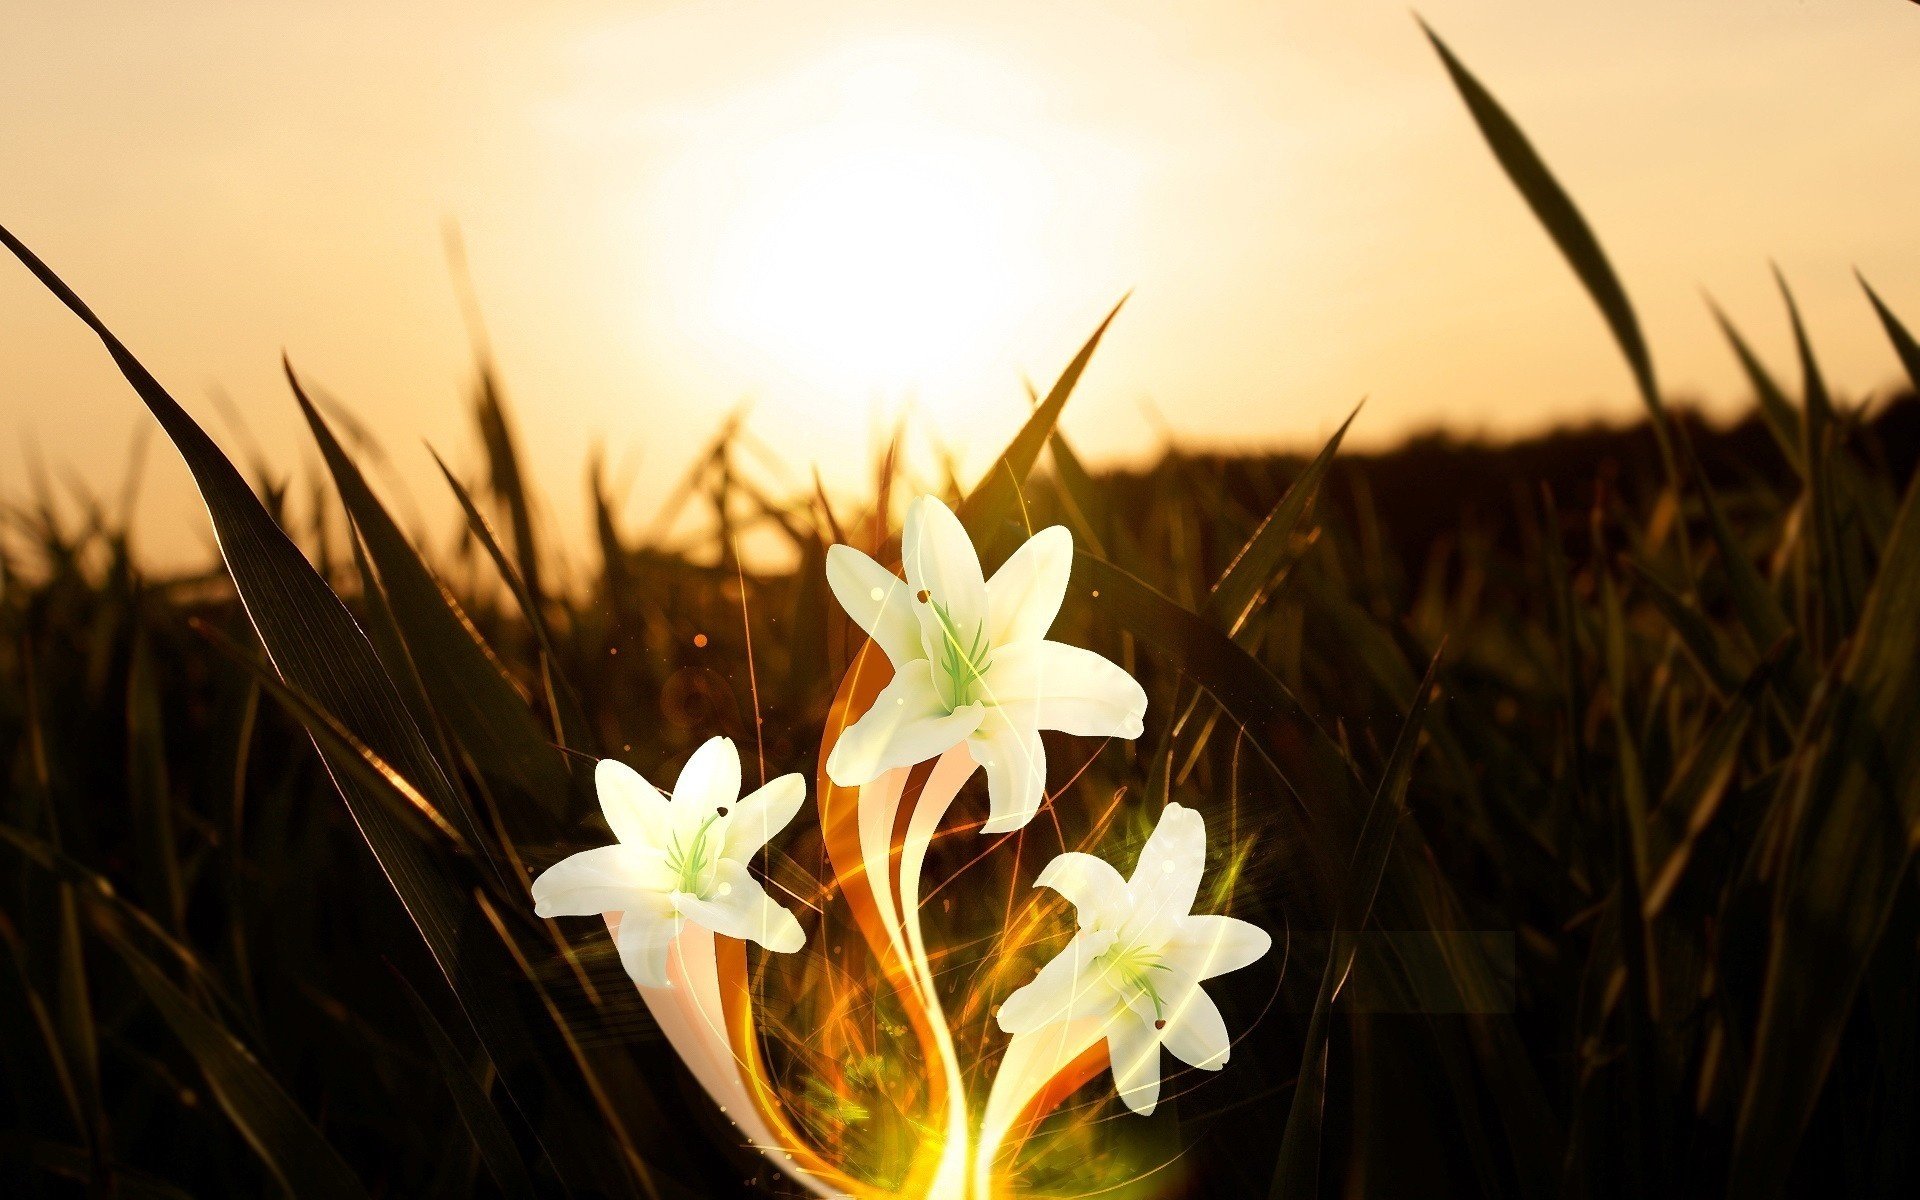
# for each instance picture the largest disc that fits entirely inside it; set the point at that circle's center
(673, 210)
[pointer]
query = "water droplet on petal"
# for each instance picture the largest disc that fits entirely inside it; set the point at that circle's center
(1168, 867)
(726, 889)
(876, 595)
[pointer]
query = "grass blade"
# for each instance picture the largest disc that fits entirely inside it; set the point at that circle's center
(997, 499)
(468, 687)
(1248, 575)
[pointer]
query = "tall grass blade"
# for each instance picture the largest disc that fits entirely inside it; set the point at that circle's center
(483, 1121)
(569, 719)
(467, 686)
(1555, 210)
(997, 499)
(1252, 569)
(1904, 344)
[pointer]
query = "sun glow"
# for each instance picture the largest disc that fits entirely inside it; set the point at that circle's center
(869, 226)
(888, 255)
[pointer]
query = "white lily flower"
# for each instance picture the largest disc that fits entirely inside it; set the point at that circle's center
(1135, 967)
(971, 662)
(678, 860)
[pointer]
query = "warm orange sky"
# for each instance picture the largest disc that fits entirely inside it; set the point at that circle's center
(827, 207)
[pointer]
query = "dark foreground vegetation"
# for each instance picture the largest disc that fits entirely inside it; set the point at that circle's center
(1624, 885)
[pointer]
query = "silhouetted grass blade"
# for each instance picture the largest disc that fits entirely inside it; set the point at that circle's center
(570, 721)
(997, 499)
(483, 1121)
(467, 685)
(1252, 569)
(1903, 341)
(315, 644)
(1556, 210)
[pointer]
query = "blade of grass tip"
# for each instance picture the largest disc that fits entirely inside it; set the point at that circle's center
(1298, 1171)
(1556, 211)
(1781, 418)
(1841, 574)
(1903, 342)
(315, 645)
(1858, 801)
(1569, 230)
(477, 1112)
(570, 722)
(1248, 575)
(467, 685)
(509, 482)
(996, 500)
(293, 1151)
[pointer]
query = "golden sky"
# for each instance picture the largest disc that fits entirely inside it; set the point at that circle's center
(830, 210)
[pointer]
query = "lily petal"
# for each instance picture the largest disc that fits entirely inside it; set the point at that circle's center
(761, 814)
(635, 809)
(1090, 884)
(603, 879)
(1016, 764)
(1134, 1048)
(1196, 1033)
(1167, 877)
(940, 561)
(646, 934)
(1067, 987)
(1024, 595)
(739, 907)
(710, 778)
(908, 723)
(1050, 685)
(1206, 946)
(879, 602)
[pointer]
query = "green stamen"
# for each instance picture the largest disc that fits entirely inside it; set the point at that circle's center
(690, 862)
(963, 658)
(1132, 968)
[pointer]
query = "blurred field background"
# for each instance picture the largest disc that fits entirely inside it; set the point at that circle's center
(1592, 756)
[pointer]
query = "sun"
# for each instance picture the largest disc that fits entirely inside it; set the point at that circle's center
(880, 248)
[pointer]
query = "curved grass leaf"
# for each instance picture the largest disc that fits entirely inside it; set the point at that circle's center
(1555, 210)
(466, 684)
(314, 643)
(569, 719)
(1782, 419)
